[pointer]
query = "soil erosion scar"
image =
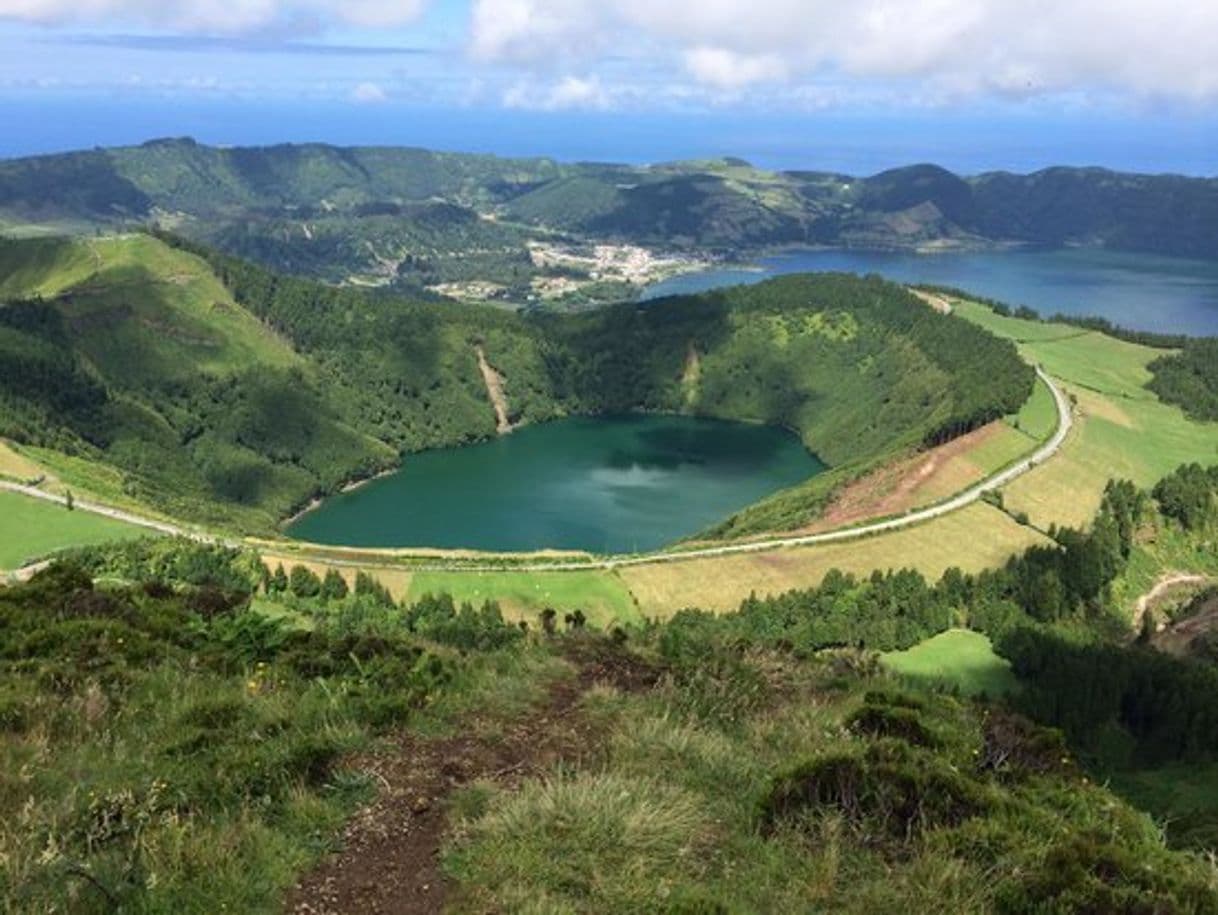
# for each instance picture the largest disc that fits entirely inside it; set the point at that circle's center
(494, 390)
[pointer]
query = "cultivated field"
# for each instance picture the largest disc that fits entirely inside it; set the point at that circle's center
(31, 529)
(1121, 428)
(972, 539)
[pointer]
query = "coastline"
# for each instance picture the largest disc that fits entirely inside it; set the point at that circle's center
(349, 486)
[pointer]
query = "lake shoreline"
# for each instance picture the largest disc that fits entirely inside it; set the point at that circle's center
(1139, 291)
(350, 486)
(591, 483)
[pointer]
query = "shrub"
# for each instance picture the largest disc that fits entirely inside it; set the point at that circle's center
(304, 582)
(889, 788)
(334, 586)
(1089, 874)
(886, 721)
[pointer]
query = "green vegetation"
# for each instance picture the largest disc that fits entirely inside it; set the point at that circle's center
(222, 393)
(1037, 418)
(957, 658)
(31, 528)
(167, 748)
(601, 597)
(406, 217)
(1122, 429)
(852, 797)
(1189, 378)
(146, 364)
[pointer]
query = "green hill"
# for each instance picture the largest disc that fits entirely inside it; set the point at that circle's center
(369, 213)
(126, 351)
(222, 391)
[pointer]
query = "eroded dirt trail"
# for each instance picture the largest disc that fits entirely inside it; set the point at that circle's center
(494, 390)
(390, 858)
(1163, 586)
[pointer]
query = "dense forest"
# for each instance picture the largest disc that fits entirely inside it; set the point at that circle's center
(225, 392)
(1189, 378)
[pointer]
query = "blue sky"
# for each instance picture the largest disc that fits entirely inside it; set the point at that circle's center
(974, 84)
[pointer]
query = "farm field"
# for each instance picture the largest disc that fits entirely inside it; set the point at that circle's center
(1121, 428)
(972, 539)
(523, 595)
(957, 658)
(30, 528)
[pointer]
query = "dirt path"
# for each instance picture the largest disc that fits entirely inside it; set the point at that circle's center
(937, 302)
(390, 860)
(1161, 587)
(494, 390)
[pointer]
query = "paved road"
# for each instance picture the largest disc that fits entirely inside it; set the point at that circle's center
(961, 500)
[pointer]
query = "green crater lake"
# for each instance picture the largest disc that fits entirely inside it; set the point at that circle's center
(605, 484)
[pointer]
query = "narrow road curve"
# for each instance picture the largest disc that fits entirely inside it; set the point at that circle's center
(1065, 422)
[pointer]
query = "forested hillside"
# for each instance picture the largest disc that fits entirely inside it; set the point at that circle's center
(205, 379)
(399, 216)
(1189, 378)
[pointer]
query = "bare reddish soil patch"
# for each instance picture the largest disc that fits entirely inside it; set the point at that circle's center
(894, 488)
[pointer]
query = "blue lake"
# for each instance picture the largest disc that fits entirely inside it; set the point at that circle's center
(607, 484)
(1141, 291)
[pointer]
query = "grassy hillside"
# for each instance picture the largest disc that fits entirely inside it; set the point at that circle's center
(225, 393)
(125, 351)
(1122, 429)
(172, 742)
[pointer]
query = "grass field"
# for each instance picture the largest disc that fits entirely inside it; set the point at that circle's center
(959, 658)
(523, 595)
(1002, 447)
(16, 466)
(31, 528)
(1038, 417)
(974, 538)
(1121, 429)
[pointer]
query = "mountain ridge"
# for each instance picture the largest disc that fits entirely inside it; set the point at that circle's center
(318, 209)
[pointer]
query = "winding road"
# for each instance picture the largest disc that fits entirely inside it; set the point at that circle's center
(960, 500)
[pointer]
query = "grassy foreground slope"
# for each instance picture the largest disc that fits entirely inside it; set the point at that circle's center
(167, 749)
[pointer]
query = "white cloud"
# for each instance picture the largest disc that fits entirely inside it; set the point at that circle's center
(532, 30)
(216, 16)
(1166, 48)
(569, 92)
(724, 69)
(368, 94)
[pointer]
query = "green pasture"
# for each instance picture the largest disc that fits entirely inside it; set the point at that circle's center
(959, 658)
(31, 528)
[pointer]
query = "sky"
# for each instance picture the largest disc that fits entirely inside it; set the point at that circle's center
(822, 84)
